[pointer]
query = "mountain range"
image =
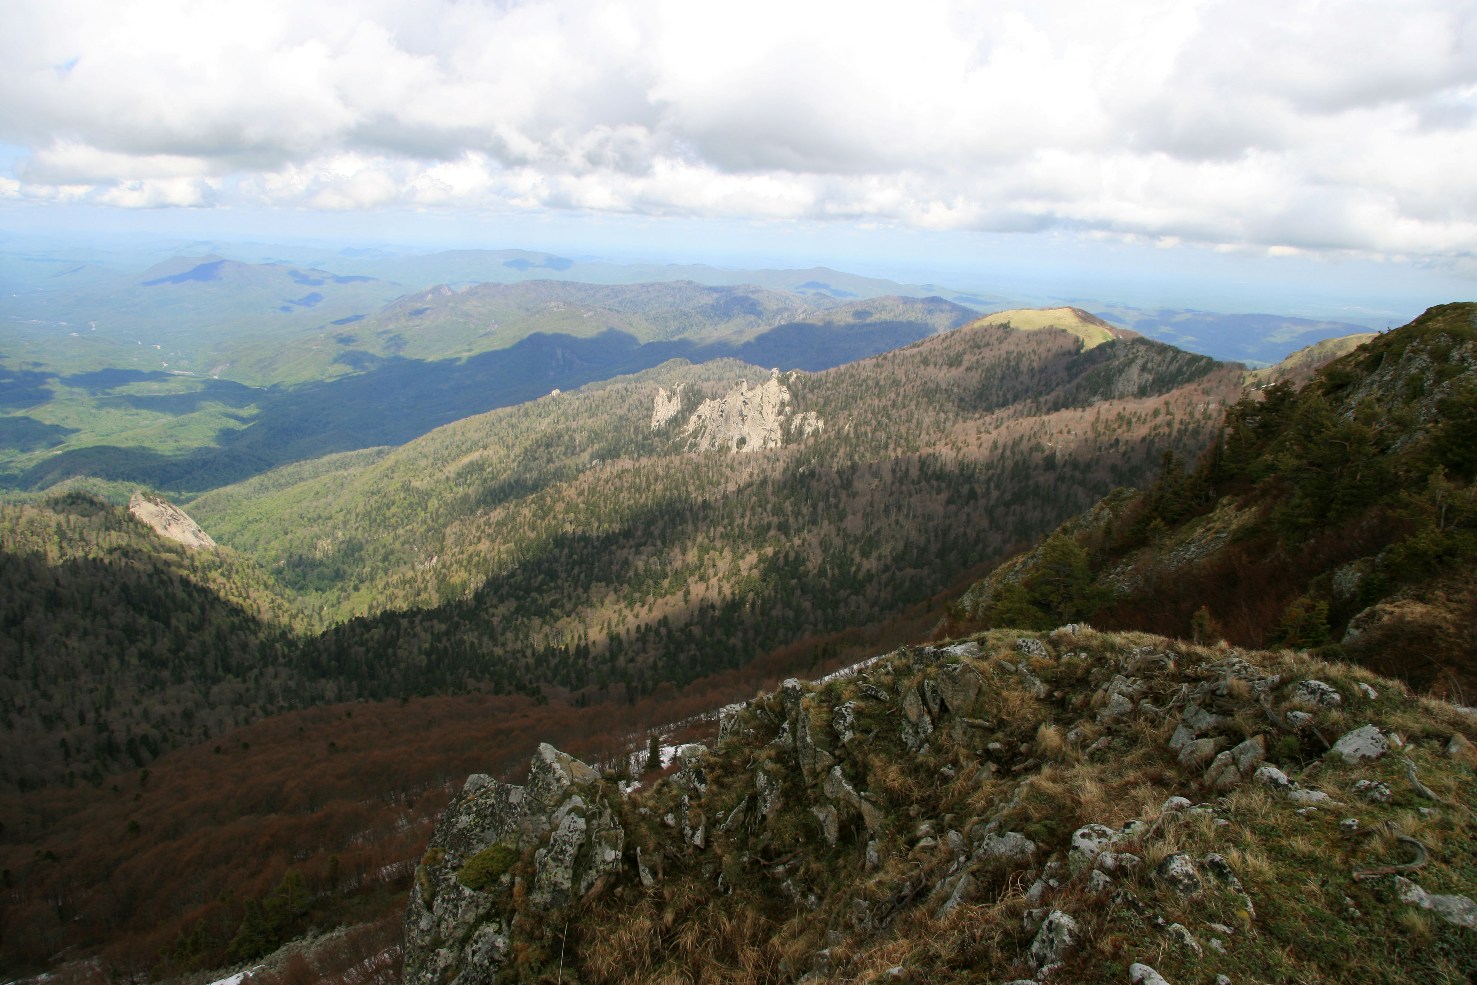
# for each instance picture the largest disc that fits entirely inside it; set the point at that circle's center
(590, 510)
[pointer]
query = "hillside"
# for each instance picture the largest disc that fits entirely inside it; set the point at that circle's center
(1339, 516)
(568, 547)
(387, 376)
(118, 644)
(1079, 807)
(574, 542)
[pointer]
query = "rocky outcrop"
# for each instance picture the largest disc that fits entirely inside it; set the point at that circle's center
(168, 520)
(547, 841)
(929, 793)
(743, 419)
(666, 406)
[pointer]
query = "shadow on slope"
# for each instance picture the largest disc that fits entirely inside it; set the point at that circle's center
(395, 400)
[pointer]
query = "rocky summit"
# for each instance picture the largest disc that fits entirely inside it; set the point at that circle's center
(1071, 806)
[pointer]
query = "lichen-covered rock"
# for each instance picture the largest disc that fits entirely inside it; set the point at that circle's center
(1364, 743)
(1053, 943)
(1009, 847)
(960, 687)
(1029, 646)
(1088, 842)
(455, 930)
(1316, 694)
(1179, 872)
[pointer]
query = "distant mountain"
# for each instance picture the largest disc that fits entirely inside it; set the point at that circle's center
(487, 347)
(1339, 516)
(1254, 339)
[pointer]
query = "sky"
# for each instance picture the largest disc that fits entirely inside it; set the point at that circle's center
(1302, 152)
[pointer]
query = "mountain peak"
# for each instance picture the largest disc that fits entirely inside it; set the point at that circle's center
(1092, 330)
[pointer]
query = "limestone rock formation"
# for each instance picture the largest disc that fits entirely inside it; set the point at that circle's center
(168, 520)
(743, 419)
(457, 924)
(666, 406)
(894, 816)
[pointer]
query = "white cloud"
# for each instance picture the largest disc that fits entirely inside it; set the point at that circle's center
(1278, 125)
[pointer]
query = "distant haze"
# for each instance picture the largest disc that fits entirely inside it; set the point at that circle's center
(1280, 153)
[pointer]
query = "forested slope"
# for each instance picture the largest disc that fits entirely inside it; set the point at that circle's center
(1340, 516)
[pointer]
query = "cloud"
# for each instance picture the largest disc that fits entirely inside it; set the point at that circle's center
(1268, 125)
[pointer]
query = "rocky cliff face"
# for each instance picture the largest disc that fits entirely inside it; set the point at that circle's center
(169, 521)
(744, 419)
(1071, 806)
(550, 838)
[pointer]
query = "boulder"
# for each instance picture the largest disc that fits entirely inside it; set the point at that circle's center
(1053, 943)
(1179, 872)
(1458, 910)
(1364, 743)
(1009, 847)
(1142, 974)
(1088, 842)
(1316, 694)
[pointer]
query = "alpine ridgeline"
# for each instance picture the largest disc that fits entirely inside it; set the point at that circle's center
(1068, 807)
(1339, 516)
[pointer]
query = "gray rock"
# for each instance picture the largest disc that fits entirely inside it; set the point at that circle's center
(1053, 943)
(1271, 776)
(965, 890)
(830, 822)
(1088, 842)
(1316, 694)
(841, 792)
(1222, 773)
(766, 792)
(1099, 882)
(1175, 804)
(1250, 754)
(454, 933)
(691, 753)
(1458, 746)
(1364, 743)
(1142, 974)
(1117, 862)
(1184, 938)
(1198, 752)
(1297, 719)
(1050, 878)
(1458, 910)
(1029, 647)
(1368, 692)
(1009, 847)
(960, 686)
(1179, 873)
(1309, 798)
(729, 719)
(747, 419)
(843, 722)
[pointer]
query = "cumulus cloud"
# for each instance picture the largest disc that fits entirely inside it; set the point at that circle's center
(1247, 124)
